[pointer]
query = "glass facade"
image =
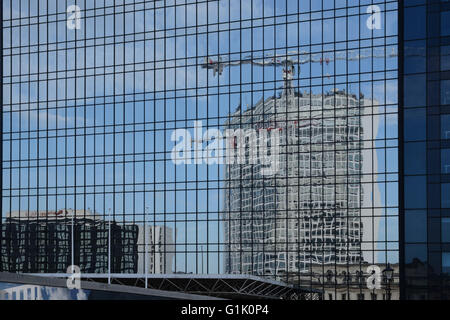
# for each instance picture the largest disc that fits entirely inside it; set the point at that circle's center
(213, 137)
(425, 157)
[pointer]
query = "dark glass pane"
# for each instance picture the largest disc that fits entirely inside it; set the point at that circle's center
(445, 195)
(446, 262)
(445, 58)
(415, 226)
(445, 161)
(415, 251)
(415, 192)
(445, 126)
(445, 92)
(445, 23)
(445, 229)
(415, 88)
(415, 124)
(415, 23)
(415, 158)
(415, 58)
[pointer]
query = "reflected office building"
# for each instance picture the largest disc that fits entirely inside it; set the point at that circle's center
(50, 241)
(314, 210)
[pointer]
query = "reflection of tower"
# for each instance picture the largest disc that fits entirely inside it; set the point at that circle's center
(160, 249)
(318, 209)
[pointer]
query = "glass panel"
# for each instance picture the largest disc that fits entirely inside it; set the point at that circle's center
(445, 23)
(445, 126)
(445, 229)
(415, 22)
(445, 92)
(445, 195)
(415, 124)
(415, 88)
(445, 58)
(415, 226)
(445, 161)
(415, 59)
(415, 158)
(415, 192)
(446, 262)
(152, 138)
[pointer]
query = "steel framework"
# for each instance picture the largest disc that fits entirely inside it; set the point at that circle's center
(233, 286)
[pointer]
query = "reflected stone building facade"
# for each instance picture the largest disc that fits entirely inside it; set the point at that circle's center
(349, 282)
(313, 211)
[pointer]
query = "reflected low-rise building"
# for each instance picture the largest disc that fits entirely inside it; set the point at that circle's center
(51, 241)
